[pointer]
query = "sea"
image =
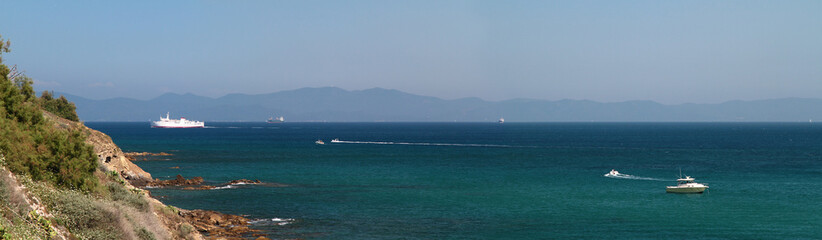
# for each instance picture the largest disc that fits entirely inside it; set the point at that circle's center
(495, 181)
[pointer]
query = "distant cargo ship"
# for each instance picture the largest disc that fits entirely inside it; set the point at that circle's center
(279, 119)
(167, 122)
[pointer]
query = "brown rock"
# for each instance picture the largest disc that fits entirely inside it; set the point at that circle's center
(244, 181)
(201, 187)
(216, 223)
(178, 181)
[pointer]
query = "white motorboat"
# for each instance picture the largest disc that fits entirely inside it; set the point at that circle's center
(319, 142)
(613, 173)
(336, 140)
(686, 185)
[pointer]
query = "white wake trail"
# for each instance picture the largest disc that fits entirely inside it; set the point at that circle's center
(626, 176)
(424, 144)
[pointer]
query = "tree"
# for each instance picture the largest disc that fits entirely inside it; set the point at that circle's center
(31, 144)
(4, 48)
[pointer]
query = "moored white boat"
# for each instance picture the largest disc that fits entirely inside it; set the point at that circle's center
(167, 122)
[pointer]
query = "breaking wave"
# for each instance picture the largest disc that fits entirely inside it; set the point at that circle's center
(272, 221)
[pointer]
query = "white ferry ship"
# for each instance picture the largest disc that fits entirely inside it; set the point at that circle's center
(167, 122)
(276, 120)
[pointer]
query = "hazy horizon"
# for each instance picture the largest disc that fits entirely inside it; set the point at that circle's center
(400, 90)
(670, 52)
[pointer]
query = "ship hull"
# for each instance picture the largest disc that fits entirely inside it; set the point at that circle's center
(153, 126)
(685, 189)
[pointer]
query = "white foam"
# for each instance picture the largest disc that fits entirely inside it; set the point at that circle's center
(272, 221)
(229, 186)
(626, 176)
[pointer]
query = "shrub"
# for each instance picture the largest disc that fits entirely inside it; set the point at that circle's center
(186, 229)
(59, 106)
(120, 194)
(82, 215)
(144, 234)
(31, 145)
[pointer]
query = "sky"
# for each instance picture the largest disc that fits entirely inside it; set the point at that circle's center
(671, 52)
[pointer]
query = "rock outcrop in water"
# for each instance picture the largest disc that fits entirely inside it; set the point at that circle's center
(218, 224)
(178, 181)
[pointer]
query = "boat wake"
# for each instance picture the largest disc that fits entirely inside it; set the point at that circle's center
(632, 177)
(425, 144)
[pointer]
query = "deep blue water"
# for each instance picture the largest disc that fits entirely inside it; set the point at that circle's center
(492, 181)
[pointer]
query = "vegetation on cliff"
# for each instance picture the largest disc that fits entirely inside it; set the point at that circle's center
(29, 143)
(62, 180)
(60, 188)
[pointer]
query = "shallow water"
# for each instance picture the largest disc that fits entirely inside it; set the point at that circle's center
(486, 181)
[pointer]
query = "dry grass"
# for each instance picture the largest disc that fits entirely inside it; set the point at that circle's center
(14, 209)
(126, 215)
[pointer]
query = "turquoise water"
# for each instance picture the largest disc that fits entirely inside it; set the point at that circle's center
(491, 181)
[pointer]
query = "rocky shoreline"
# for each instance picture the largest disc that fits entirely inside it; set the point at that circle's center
(209, 224)
(215, 224)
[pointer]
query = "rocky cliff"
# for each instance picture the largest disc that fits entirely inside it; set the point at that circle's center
(115, 209)
(112, 159)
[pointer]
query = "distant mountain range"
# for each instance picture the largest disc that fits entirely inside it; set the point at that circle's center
(377, 104)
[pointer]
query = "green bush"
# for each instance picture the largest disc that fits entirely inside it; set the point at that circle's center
(82, 215)
(120, 194)
(31, 145)
(3, 234)
(59, 106)
(185, 229)
(144, 234)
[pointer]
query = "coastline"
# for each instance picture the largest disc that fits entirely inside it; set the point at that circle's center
(200, 224)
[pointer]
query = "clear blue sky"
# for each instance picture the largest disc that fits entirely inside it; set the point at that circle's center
(666, 51)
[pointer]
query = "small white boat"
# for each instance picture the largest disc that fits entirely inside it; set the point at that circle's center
(686, 185)
(319, 142)
(501, 120)
(336, 140)
(613, 173)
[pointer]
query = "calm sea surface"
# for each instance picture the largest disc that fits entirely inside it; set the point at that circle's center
(497, 181)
